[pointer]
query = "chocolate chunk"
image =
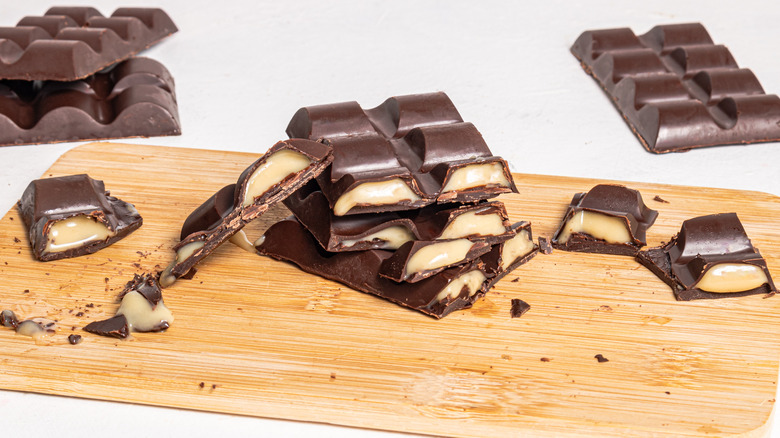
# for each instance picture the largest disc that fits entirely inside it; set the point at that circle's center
(134, 98)
(142, 305)
(74, 215)
(8, 319)
(677, 89)
(600, 358)
(544, 245)
(147, 285)
(70, 43)
(74, 339)
(419, 259)
(114, 327)
(409, 152)
(711, 257)
(519, 307)
(282, 170)
(609, 219)
(506, 256)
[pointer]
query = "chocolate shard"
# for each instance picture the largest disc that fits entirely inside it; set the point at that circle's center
(74, 215)
(115, 327)
(711, 257)
(519, 308)
(609, 219)
(409, 152)
(71, 43)
(282, 170)
(677, 89)
(147, 285)
(545, 247)
(419, 259)
(134, 98)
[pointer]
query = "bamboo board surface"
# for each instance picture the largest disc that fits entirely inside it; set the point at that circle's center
(269, 340)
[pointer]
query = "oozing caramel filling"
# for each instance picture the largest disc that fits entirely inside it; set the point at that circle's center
(392, 238)
(36, 328)
(242, 241)
(276, 167)
(600, 226)
(476, 175)
(375, 193)
(516, 247)
(75, 232)
(732, 277)
(473, 224)
(166, 278)
(472, 281)
(141, 315)
(437, 255)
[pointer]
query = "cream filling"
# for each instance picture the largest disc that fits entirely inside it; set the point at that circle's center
(732, 277)
(375, 193)
(141, 315)
(600, 226)
(516, 247)
(471, 280)
(75, 232)
(166, 278)
(240, 240)
(392, 237)
(437, 255)
(476, 175)
(36, 328)
(276, 167)
(473, 224)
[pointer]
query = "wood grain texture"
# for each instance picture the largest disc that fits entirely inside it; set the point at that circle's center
(268, 340)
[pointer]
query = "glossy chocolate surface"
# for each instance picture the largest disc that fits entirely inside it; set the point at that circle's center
(677, 89)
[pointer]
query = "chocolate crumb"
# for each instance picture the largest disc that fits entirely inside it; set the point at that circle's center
(601, 358)
(545, 247)
(90, 305)
(201, 384)
(660, 199)
(214, 386)
(667, 393)
(80, 314)
(332, 376)
(26, 291)
(545, 359)
(519, 307)
(74, 339)
(16, 240)
(516, 280)
(106, 279)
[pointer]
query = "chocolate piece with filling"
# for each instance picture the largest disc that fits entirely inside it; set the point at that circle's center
(419, 259)
(134, 98)
(409, 152)
(282, 170)
(519, 308)
(609, 219)
(69, 216)
(143, 306)
(677, 89)
(711, 257)
(115, 327)
(70, 43)
(504, 257)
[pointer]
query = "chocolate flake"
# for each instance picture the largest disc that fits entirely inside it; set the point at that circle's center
(519, 308)
(599, 357)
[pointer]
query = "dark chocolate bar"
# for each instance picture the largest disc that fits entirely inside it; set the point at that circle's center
(609, 219)
(283, 169)
(135, 98)
(487, 221)
(438, 295)
(70, 43)
(74, 215)
(711, 257)
(677, 89)
(409, 152)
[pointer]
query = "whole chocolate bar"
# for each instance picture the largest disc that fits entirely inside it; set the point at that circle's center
(438, 295)
(677, 89)
(135, 98)
(711, 257)
(282, 170)
(389, 230)
(608, 219)
(407, 153)
(69, 216)
(70, 43)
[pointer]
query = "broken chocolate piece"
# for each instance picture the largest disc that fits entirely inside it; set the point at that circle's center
(419, 259)
(283, 169)
(70, 43)
(544, 245)
(114, 327)
(143, 306)
(74, 215)
(519, 307)
(74, 339)
(409, 152)
(600, 358)
(711, 257)
(609, 219)
(677, 89)
(504, 257)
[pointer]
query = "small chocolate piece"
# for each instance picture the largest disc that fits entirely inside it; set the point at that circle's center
(74, 339)
(134, 98)
(544, 245)
(419, 259)
(519, 307)
(409, 152)
(600, 358)
(146, 285)
(8, 319)
(282, 170)
(609, 219)
(711, 257)
(657, 198)
(114, 327)
(74, 215)
(70, 43)
(143, 306)
(677, 89)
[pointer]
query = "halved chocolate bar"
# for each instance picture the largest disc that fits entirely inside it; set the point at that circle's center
(711, 257)
(608, 219)
(69, 216)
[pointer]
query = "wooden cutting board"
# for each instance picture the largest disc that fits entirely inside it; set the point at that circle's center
(258, 337)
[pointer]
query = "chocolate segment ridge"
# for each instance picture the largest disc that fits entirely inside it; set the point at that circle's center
(74, 215)
(71, 43)
(608, 219)
(711, 257)
(677, 89)
(282, 170)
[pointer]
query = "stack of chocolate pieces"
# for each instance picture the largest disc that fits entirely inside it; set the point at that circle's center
(71, 75)
(403, 210)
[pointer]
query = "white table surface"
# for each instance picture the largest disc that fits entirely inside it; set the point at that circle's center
(243, 68)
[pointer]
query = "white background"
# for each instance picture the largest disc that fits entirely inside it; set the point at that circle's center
(243, 68)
